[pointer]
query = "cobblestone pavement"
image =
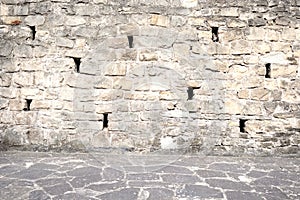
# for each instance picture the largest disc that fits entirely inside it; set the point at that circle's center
(28, 175)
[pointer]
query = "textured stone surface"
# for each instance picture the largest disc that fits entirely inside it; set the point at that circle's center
(135, 176)
(220, 77)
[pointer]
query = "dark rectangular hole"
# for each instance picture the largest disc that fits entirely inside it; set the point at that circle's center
(268, 70)
(130, 41)
(105, 120)
(243, 125)
(33, 31)
(215, 34)
(27, 106)
(77, 64)
(190, 92)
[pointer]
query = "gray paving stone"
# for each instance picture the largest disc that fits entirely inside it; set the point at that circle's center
(233, 195)
(210, 173)
(83, 181)
(112, 174)
(101, 187)
(127, 193)
(73, 196)
(142, 176)
(173, 170)
(228, 184)
(58, 189)
(38, 194)
(31, 174)
(180, 178)
(200, 191)
(85, 171)
(160, 193)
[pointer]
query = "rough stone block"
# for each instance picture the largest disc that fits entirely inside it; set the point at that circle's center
(35, 20)
(64, 42)
(75, 21)
(115, 69)
(189, 3)
(160, 20)
(240, 47)
(275, 57)
(230, 12)
(9, 20)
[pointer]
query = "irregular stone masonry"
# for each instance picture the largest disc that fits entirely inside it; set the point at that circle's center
(221, 77)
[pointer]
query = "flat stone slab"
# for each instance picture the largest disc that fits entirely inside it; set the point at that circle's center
(30, 175)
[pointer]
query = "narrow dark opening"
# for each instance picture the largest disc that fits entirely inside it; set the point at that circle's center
(243, 125)
(105, 120)
(215, 34)
(77, 64)
(27, 106)
(268, 70)
(33, 31)
(130, 41)
(190, 92)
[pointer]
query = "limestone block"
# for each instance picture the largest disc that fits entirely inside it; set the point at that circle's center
(67, 93)
(181, 50)
(8, 92)
(253, 108)
(40, 104)
(117, 42)
(240, 47)
(254, 126)
(275, 57)
(229, 12)
(261, 47)
(178, 21)
(257, 21)
(129, 29)
(283, 71)
(103, 83)
(230, 35)
(272, 35)
(5, 79)
(115, 69)
(160, 20)
(260, 94)
(167, 95)
(35, 20)
(23, 79)
(232, 107)
(281, 46)
(3, 104)
(100, 1)
(256, 33)
(16, 105)
(232, 23)
(21, 10)
(5, 47)
(243, 94)
(75, 20)
(23, 51)
(189, 3)
(11, 20)
(288, 34)
(30, 93)
(124, 84)
(146, 55)
(64, 42)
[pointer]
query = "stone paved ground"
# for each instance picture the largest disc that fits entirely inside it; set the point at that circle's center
(27, 175)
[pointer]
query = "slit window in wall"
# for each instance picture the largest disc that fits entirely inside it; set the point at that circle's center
(27, 104)
(33, 31)
(215, 34)
(243, 125)
(268, 70)
(130, 41)
(190, 92)
(77, 62)
(105, 120)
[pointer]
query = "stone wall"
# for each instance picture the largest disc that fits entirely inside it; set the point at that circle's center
(216, 76)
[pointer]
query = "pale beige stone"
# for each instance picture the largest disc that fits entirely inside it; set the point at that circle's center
(261, 47)
(240, 47)
(233, 106)
(256, 33)
(230, 12)
(244, 94)
(148, 56)
(116, 69)
(11, 20)
(160, 20)
(35, 20)
(283, 71)
(288, 34)
(189, 3)
(275, 57)
(75, 21)
(260, 94)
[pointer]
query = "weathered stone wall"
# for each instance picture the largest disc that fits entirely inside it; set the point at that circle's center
(217, 76)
